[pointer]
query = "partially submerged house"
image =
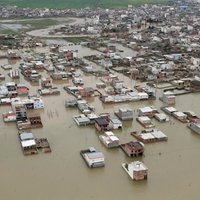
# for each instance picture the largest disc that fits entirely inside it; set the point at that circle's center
(168, 98)
(145, 121)
(103, 123)
(93, 158)
(149, 135)
(195, 126)
(136, 170)
(124, 114)
(133, 148)
(28, 143)
(109, 139)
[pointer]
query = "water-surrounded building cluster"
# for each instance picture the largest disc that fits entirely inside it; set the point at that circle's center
(164, 41)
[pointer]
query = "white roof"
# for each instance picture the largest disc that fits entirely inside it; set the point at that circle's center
(180, 114)
(142, 94)
(82, 119)
(116, 121)
(197, 124)
(94, 156)
(147, 136)
(144, 118)
(109, 133)
(114, 138)
(133, 94)
(171, 109)
(138, 166)
(5, 100)
(74, 88)
(167, 93)
(10, 84)
(28, 143)
(125, 109)
(158, 134)
(92, 116)
(146, 109)
(161, 116)
(111, 136)
(26, 136)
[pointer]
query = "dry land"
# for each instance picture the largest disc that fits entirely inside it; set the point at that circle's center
(78, 3)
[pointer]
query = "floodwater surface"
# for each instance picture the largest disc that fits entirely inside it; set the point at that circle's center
(173, 165)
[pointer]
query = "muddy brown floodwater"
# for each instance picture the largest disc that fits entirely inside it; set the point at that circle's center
(173, 165)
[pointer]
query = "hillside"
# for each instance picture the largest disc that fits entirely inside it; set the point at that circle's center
(77, 3)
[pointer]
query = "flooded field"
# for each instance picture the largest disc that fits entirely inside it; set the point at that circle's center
(173, 165)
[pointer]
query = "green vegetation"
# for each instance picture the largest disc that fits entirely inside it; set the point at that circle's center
(38, 24)
(77, 3)
(31, 24)
(8, 32)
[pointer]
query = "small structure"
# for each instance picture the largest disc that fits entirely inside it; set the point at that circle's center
(124, 114)
(2, 77)
(102, 123)
(59, 75)
(11, 86)
(9, 116)
(70, 103)
(6, 67)
(28, 143)
(93, 158)
(92, 117)
(161, 117)
(5, 101)
(149, 135)
(100, 85)
(78, 81)
(145, 121)
(191, 116)
(31, 75)
(12, 55)
(136, 170)
(168, 110)
(46, 82)
(35, 121)
(168, 98)
(31, 103)
(143, 95)
(49, 91)
(116, 123)
(43, 144)
(21, 118)
(85, 107)
(86, 92)
(195, 126)
(147, 111)
(81, 120)
(22, 89)
(109, 139)
(133, 148)
(38, 103)
(14, 74)
(180, 116)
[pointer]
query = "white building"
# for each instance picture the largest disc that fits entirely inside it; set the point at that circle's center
(136, 170)
(109, 139)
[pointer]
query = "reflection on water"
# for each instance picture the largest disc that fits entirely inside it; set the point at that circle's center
(173, 165)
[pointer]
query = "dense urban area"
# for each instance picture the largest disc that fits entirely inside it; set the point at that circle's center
(97, 83)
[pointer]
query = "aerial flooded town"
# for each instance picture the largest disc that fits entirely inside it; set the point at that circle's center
(100, 103)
